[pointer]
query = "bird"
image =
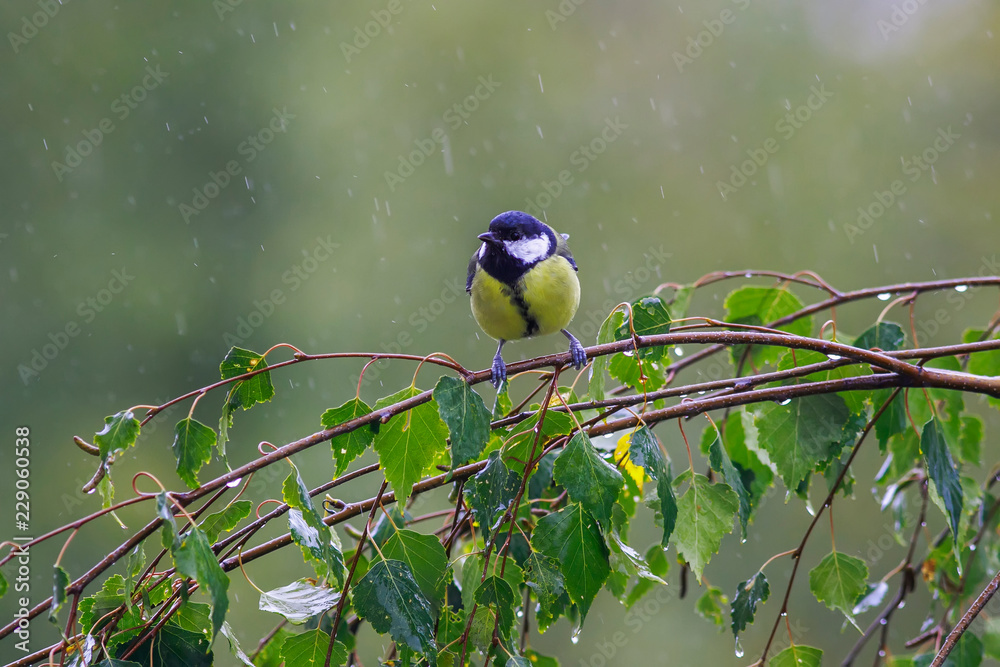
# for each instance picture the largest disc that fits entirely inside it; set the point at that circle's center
(523, 284)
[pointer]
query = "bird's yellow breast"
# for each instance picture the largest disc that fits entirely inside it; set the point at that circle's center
(543, 301)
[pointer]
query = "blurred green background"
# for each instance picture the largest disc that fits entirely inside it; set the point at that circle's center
(367, 144)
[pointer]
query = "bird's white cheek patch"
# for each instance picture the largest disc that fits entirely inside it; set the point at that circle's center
(529, 250)
(482, 251)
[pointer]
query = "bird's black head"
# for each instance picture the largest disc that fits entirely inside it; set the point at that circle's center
(516, 242)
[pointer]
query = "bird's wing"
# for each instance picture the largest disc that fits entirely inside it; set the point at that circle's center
(473, 263)
(562, 249)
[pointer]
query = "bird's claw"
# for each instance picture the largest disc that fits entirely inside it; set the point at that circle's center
(498, 373)
(578, 353)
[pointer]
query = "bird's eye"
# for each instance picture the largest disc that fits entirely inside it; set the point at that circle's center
(515, 236)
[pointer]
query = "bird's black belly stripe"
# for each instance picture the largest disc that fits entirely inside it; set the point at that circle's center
(516, 297)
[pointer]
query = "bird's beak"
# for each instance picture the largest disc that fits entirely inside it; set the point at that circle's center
(488, 238)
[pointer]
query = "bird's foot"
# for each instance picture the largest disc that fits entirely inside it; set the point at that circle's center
(498, 373)
(576, 351)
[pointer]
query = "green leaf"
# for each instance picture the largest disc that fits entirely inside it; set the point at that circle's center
(182, 648)
(893, 420)
(193, 558)
(246, 393)
(309, 649)
(573, 538)
(119, 433)
(986, 363)
(749, 594)
(491, 492)
(640, 374)
(589, 479)
(855, 400)
(427, 560)
(299, 601)
(645, 452)
(106, 489)
(760, 306)
(496, 593)
(409, 444)
(628, 561)
(838, 581)
(474, 568)
(650, 317)
(94, 608)
(681, 301)
(234, 645)
(720, 462)
(709, 605)
(599, 365)
(754, 465)
(193, 443)
(389, 598)
(521, 441)
(308, 530)
(885, 336)
(467, 417)
(225, 519)
(705, 514)
(873, 597)
(969, 439)
(798, 656)
(389, 521)
(968, 652)
(658, 565)
(501, 404)
(348, 446)
(195, 617)
(806, 433)
(543, 577)
(942, 471)
(541, 479)
(60, 580)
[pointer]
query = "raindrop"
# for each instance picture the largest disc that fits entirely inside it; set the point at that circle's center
(882, 621)
(833, 357)
(91, 491)
(539, 128)
(576, 637)
(902, 603)
(739, 648)
(679, 351)
(961, 288)
(540, 82)
(784, 402)
(46, 144)
(748, 274)
(884, 296)
(234, 483)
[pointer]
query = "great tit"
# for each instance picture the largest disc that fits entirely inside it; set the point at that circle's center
(523, 284)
